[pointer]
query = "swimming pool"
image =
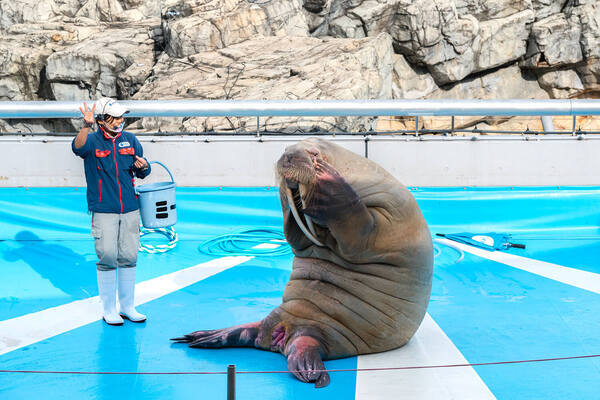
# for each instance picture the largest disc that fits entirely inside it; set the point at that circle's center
(537, 303)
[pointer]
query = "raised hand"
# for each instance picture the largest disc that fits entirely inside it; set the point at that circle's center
(325, 171)
(88, 114)
(332, 195)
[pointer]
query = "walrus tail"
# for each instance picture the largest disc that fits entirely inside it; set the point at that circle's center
(236, 336)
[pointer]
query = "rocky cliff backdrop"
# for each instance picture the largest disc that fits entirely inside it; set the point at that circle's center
(293, 49)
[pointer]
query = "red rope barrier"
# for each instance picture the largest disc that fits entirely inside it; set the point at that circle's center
(287, 372)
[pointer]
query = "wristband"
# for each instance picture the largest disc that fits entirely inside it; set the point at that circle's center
(88, 124)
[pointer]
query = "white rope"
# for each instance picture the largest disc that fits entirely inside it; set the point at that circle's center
(168, 232)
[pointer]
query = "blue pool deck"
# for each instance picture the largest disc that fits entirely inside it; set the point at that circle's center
(538, 303)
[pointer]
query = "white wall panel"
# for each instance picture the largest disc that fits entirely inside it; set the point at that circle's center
(228, 161)
(490, 162)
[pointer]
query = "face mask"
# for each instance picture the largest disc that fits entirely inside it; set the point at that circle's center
(118, 129)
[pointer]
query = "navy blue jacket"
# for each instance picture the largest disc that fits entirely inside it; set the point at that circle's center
(109, 171)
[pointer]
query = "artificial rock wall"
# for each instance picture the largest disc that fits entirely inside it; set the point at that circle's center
(293, 49)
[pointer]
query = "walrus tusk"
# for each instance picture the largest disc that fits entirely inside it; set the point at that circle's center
(308, 219)
(296, 215)
(309, 222)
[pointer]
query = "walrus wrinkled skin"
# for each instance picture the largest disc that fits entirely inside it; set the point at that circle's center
(361, 284)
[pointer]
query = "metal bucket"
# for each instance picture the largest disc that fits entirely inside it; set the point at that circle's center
(157, 202)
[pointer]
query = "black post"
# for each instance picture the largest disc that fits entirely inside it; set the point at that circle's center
(231, 382)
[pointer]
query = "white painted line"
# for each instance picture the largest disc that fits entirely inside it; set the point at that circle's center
(31, 328)
(571, 276)
(429, 346)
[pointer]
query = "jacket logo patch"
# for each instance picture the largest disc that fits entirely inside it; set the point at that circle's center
(127, 151)
(124, 144)
(102, 153)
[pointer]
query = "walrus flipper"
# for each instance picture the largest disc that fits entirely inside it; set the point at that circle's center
(305, 361)
(332, 201)
(331, 195)
(237, 336)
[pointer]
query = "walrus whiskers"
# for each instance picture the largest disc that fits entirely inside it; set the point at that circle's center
(303, 228)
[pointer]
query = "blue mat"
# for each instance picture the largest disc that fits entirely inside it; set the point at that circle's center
(490, 311)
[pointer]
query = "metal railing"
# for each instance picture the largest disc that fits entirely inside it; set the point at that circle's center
(326, 108)
(344, 108)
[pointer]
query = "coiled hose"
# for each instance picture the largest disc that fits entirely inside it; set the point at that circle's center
(247, 242)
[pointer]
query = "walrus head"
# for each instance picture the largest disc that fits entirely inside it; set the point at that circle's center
(320, 184)
(297, 175)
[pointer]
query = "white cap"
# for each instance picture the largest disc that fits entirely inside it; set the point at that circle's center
(106, 105)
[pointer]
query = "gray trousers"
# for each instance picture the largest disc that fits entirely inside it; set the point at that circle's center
(117, 239)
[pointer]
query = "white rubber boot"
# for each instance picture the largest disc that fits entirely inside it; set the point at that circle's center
(127, 295)
(107, 290)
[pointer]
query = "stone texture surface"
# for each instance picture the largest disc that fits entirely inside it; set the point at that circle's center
(555, 41)
(589, 73)
(192, 26)
(81, 11)
(349, 18)
(561, 84)
(276, 68)
(411, 82)
(21, 63)
(98, 65)
(545, 8)
(586, 14)
(485, 10)
(84, 49)
(453, 45)
(564, 49)
(505, 83)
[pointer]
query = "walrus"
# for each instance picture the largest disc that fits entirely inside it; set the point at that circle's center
(362, 268)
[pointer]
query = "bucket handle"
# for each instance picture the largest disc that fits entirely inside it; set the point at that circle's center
(163, 165)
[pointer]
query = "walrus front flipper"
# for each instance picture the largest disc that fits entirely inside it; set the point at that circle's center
(337, 206)
(305, 361)
(236, 336)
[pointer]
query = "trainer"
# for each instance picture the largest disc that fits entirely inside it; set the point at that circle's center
(112, 158)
